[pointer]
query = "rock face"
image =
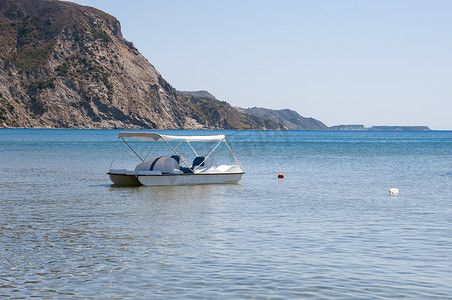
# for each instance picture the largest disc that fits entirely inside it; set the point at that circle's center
(64, 65)
(288, 118)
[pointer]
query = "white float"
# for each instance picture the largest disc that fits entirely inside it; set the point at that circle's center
(393, 191)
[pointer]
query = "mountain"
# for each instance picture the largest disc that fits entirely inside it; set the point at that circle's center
(63, 65)
(288, 118)
(66, 65)
(212, 113)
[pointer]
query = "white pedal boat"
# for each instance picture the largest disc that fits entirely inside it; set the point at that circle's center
(174, 170)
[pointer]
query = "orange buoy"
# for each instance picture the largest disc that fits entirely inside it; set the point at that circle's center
(280, 176)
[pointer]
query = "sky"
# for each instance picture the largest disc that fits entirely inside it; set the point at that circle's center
(386, 62)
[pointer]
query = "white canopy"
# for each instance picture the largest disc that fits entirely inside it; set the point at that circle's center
(156, 136)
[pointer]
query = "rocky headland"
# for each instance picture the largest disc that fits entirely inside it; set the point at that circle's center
(288, 118)
(63, 65)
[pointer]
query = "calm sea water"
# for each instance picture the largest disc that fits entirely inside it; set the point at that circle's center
(328, 230)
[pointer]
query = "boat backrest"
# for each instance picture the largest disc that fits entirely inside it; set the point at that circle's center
(163, 164)
(153, 163)
(198, 161)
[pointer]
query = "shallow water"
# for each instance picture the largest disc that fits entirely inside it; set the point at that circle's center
(328, 230)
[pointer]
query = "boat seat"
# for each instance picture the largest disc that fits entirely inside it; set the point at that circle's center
(183, 169)
(198, 161)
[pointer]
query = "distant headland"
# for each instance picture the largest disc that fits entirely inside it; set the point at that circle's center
(380, 128)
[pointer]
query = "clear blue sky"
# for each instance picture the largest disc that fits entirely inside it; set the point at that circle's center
(385, 62)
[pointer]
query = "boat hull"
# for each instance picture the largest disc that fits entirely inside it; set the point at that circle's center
(123, 179)
(187, 179)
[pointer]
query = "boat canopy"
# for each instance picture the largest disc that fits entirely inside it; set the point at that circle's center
(155, 136)
(187, 138)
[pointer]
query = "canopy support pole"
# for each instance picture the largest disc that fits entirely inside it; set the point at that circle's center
(150, 150)
(175, 152)
(175, 148)
(132, 150)
(192, 148)
(207, 156)
(114, 155)
(233, 155)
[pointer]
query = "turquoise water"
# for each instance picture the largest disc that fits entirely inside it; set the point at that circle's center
(328, 230)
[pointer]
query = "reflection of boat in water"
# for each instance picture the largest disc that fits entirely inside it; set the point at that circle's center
(174, 170)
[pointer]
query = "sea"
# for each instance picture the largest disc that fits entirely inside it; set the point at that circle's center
(329, 229)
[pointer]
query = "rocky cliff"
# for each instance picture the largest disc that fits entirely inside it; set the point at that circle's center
(288, 118)
(64, 65)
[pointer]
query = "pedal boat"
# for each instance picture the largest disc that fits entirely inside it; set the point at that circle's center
(174, 170)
